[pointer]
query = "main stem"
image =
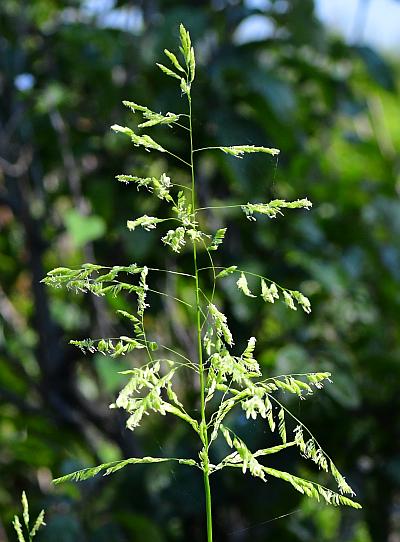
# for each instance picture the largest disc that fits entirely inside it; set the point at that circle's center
(204, 434)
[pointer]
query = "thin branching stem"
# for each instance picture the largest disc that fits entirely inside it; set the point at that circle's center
(206, 149)
(204, 295)
(211, 300)
(146, 342)
(180, 364)
(203, 432)
(179, 354)
(177, 157)
(171, 297)
(171, 272)
(181, 126)
(225, 380)
(220, 207)
(182, 186)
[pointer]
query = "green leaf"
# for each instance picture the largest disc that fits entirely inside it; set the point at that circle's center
(378, 68)
(83, 229)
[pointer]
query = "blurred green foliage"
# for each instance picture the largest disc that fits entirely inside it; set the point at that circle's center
(333, 109)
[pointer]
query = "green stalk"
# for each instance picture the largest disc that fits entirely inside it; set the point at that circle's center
(203, 427)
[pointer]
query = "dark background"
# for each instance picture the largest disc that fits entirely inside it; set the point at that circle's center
(332, 107)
